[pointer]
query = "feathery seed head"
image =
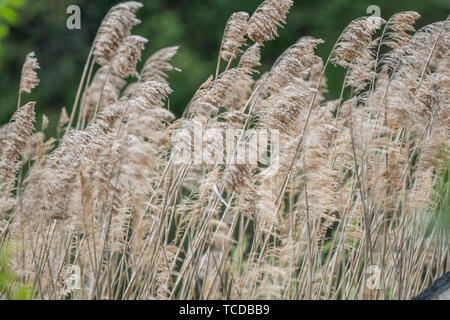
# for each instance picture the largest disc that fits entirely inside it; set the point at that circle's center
(236, 176)
(296, 60)
(128, 55)
(251, 59)
(399, 25)
(104, 88)
(132, 6)
(115, 27)
(150, 94)
(264, 22)
(20, 130)
(356, 36)
(158, 64)
(286, 108)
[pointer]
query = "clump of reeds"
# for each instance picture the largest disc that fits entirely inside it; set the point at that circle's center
(359, 186)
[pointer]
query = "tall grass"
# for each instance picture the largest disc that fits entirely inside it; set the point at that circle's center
(348, 211)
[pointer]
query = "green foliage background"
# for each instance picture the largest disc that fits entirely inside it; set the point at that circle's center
(195, 25)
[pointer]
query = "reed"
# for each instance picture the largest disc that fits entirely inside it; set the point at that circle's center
(355, 207)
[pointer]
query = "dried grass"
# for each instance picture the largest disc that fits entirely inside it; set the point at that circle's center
(360, 184)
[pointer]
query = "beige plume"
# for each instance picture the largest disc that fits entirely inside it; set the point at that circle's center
(157, 66)
(29, 78)
(234, 35)
(20, 129)
(128, 55)
(355, 38)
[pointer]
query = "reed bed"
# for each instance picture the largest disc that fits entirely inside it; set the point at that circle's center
(353, 208)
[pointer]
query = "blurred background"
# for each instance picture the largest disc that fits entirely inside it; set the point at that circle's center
(195, 25)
